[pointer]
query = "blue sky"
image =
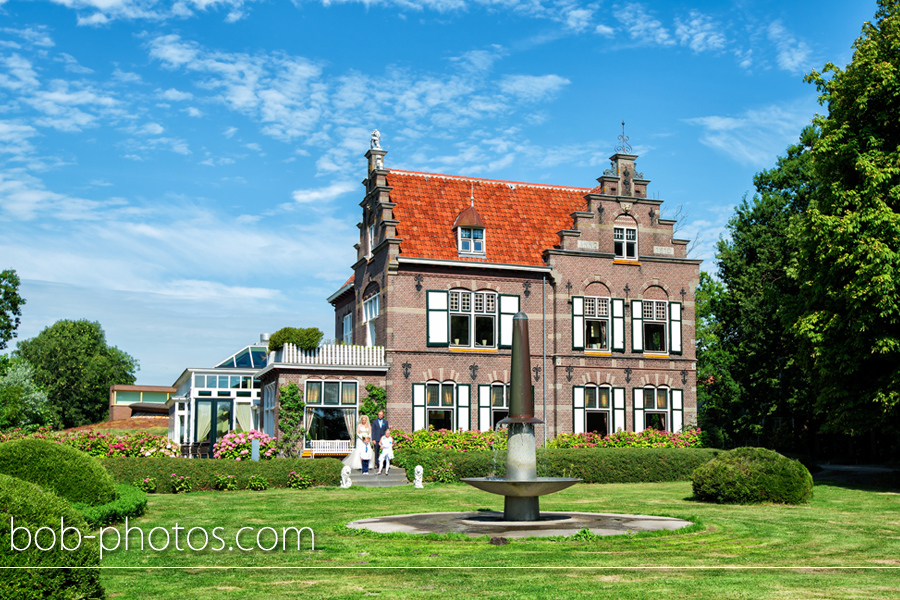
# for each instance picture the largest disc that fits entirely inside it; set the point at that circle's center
(188, 173)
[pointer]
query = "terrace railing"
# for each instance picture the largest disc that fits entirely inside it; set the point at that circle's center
(336, 355)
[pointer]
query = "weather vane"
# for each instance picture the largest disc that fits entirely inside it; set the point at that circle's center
(625, 147)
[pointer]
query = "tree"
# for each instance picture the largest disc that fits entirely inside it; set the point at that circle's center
(849, 267)
(10, 306)
(76, 367)
(375, 401)
(22, 402)
(290, 420)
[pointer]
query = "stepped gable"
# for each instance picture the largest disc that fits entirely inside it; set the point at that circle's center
(521, 220)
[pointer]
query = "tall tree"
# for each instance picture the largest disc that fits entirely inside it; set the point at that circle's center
(10, 306)
(849, 266)
(75, 366)
(22, 402)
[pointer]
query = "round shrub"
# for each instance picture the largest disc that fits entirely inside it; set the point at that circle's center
(24, 505)
(57, 468)
(752, 475)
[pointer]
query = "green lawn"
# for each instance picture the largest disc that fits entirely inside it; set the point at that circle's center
(852, 534)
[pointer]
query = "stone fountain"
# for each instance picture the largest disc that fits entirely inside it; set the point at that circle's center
(521, 486)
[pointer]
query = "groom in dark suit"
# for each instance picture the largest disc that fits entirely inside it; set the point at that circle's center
(379, 426)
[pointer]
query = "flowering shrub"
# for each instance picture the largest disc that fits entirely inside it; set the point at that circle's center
(444, 473)
(258, 483)
(648, 438)
(462, 441)
(298, 482)
(225, 482)
(101, 444)
(237, 445)
(181, 484)
(147, 484)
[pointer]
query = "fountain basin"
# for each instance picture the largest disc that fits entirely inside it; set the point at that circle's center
(539, 486)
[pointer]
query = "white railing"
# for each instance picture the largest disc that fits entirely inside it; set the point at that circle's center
(333, 355)
(330, 447)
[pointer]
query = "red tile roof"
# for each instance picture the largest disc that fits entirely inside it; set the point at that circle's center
(521, 219)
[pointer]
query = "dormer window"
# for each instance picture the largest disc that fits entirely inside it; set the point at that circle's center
(471, 240)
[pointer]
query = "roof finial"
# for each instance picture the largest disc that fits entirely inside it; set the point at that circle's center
(472, 198)
(625, 147)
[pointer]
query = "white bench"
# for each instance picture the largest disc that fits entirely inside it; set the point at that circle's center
(330, 447)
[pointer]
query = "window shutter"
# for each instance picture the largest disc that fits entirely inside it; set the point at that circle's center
(675, 327)
(463, 391)
(438, 323)
(484, 408)
(618, 412)
(638, 395)
(637, 326)
(578, 323)
(618, 325)
(418, 406)
(578, 409)
(677, 411)
(509, 306)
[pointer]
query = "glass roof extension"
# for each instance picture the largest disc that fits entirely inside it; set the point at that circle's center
(251, 357)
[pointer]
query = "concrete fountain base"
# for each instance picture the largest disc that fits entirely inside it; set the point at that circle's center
(491, 523)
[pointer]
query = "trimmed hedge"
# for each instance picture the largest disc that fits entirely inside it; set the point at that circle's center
(751, 476)
(593, 465)
(130, 502)
(62, 469)
(322, 471)
(33, 508)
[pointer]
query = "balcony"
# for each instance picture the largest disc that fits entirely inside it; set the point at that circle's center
(331, 355)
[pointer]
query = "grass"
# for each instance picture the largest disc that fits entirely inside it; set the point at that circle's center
(851, 537)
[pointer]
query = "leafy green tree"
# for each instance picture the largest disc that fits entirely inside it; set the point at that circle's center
(849, 267)
(76, 367)
(10, 306)
(304, 338)
(22, 402)
(290, 420)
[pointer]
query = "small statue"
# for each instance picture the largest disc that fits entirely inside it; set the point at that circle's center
(375, 142)
(345, 477)
(419, 471)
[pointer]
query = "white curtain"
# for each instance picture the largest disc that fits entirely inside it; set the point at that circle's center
(350, 421)
(204, 420)
(244, 416)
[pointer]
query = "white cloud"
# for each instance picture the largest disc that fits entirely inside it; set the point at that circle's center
(642, 27)
(193, 112)
(72, 65)
(326, 194)
(533, 87)
(229, 132)
(176, 95)
(32, 36)
(125, 76)
(24, 197)
(794, 56)
(699, 32)
(14, 139)
(604, 30)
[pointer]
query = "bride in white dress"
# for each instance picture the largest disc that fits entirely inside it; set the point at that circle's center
(363, 430)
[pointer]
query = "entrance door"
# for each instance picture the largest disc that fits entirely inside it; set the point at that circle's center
(213, 421)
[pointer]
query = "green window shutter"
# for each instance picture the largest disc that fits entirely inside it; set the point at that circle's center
(578, 409)
(438, 323)
(484, 408)
(677, 402)
(618, 410)
(463, 391)
(637, 326)
(509, 306)
(577, 322)
(675, 342)
(618, 325)
(638, 395)
(418, 394)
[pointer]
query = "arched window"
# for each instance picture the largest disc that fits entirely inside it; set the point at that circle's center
(625, 238)
(371, 308)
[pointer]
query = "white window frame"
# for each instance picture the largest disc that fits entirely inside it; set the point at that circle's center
(371, 309)
(597, 309)
(623, 247)
(503, 407)
(268, 401)
(347, 325)
(666, 410)
(441, 406)
(473, 306)
(655, 313)
(468, 243)
(592, 405)
(370, 242)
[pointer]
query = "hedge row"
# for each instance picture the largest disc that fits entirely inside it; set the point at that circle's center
(593, 465)
(130, 502)
(322, 471)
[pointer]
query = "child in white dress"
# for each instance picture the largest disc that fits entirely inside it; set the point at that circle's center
(387, 453)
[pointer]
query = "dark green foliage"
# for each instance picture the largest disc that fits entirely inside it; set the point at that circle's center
(62, 469)
(10, 306)
(322, 471)
(304, 338)
(33, 508)
(130, 502)
(375, 401)
(751, 476)
(75, 366)
(593, 465)
(290, 420)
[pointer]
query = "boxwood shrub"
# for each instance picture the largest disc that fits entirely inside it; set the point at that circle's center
(322, 471)
(752, 475)
(64, 470)
(130, 502)
(30, 507)
(593, 465)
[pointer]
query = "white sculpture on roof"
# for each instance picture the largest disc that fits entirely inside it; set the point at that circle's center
(375, 142)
